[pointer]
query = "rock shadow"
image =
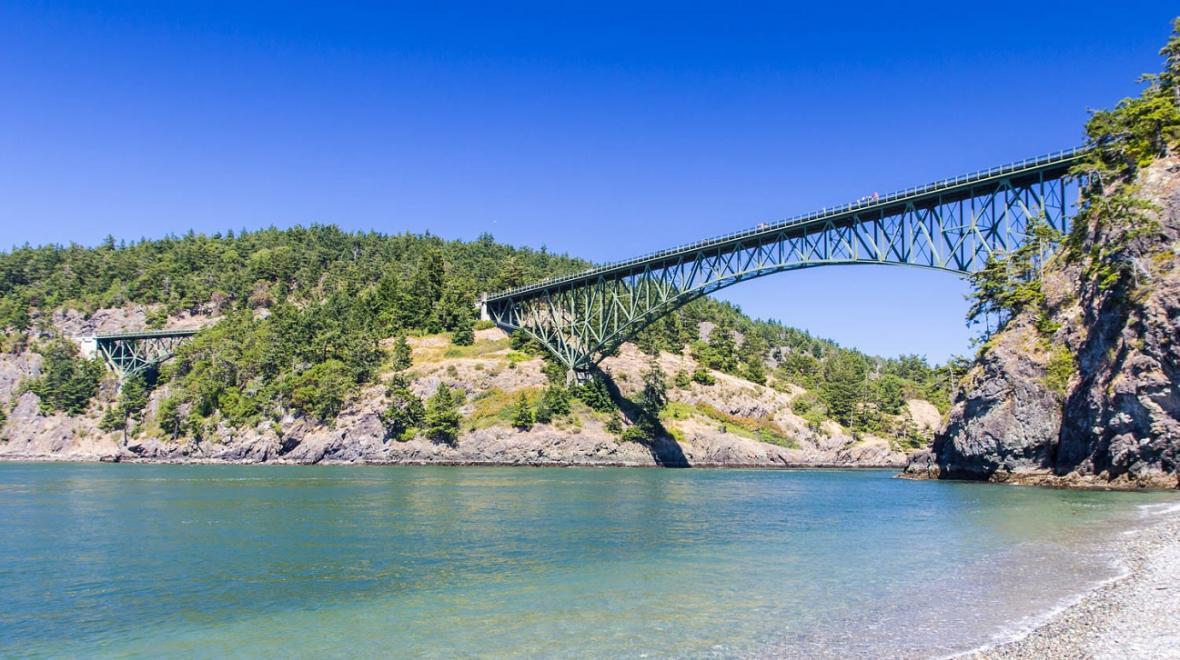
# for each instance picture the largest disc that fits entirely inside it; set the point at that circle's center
(665, 450)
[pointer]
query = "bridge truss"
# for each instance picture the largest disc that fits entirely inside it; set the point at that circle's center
(953, 225)
(134, 352)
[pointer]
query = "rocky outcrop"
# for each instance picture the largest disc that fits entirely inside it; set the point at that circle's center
(358, 435)
(1096, 401)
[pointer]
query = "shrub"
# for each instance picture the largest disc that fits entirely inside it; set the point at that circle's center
(703, 376)
(1061, 368)
(464, 335)
(682, 380)
(614, 425)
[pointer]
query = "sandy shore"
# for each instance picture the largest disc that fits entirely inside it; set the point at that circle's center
(1135, 616)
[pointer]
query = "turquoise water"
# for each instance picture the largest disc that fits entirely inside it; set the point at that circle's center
(202, 560)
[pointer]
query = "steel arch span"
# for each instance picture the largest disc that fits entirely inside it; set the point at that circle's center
(952, 225)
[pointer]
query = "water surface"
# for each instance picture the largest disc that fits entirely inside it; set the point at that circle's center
(207, 560)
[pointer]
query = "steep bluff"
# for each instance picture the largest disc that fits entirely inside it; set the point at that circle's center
(1085, 389)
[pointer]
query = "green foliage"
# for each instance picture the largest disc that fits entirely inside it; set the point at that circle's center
(1120, 217)
(168, 417)
(523, 416)
(133, 398)
(1011, 282)
(405, 411)
(844, 388)
(442, 415)
(654, 395)
(67, 382)
(682, 380)
(614, 424)
(810, 408)
(14, 313)
(403, 356)
(464, 335)
(1060, 369)
(702, 376)
(755, 371)
(555, 402)
(595, 394)
(156, 318)
(1140, 129)
(321, 390)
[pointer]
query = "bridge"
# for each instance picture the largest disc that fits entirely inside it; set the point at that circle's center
(130, 353)
(952, 225)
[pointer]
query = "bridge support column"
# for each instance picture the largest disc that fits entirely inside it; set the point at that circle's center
(483, 308)
(577, 377)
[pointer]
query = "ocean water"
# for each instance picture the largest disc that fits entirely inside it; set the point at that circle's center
(204, 560)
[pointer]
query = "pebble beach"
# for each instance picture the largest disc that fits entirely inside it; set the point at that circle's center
(1134, 616)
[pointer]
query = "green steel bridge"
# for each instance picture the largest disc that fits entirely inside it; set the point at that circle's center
(951, 225)
(129, 353)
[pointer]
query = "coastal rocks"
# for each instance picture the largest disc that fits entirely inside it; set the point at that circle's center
(1008, 420)
(29, 434)
(1097, 402)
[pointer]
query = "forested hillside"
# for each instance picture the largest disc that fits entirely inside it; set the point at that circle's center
(305, 318)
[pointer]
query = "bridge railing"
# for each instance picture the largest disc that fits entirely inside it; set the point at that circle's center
(148, 334)
(1058, 157)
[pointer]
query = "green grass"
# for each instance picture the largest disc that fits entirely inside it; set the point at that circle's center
(762, 430)
(495, 407)
(480, 348)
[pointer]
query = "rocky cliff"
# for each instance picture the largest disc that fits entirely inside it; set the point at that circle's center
(711, 426)
(1085, 389)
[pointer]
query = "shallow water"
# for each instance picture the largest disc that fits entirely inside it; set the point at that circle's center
(443, 561)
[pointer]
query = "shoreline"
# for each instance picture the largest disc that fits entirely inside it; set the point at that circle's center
(446, 463)
(1135, 614)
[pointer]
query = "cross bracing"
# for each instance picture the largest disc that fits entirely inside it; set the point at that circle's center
(953, 225)
(133, 352)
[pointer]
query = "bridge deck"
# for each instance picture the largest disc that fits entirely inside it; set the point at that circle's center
(149, 334)
(947, 190)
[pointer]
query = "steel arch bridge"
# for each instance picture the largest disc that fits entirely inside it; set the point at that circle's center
(952, 225)
(130, 353)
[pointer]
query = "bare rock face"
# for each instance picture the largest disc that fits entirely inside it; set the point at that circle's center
(1116, 422)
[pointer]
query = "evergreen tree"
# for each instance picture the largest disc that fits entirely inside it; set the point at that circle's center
(523, 416)
(842, 390)
(67, 382)
(442, 415)
(464, 335)
(403, 356)
(555, 402)
(405, 411)
(654, 396)
(595, 394)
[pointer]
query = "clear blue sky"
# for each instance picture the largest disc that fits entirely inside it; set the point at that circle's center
(604, 130)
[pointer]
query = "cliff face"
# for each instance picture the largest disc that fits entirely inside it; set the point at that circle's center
(1096, 401)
